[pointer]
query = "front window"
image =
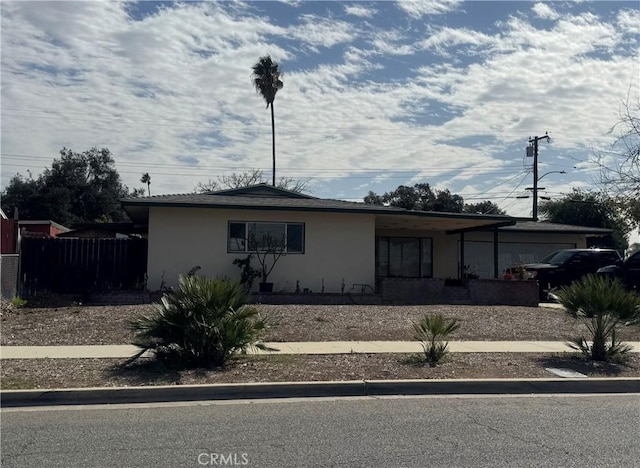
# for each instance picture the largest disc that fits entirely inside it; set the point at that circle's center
(404, 257)
(261, 236)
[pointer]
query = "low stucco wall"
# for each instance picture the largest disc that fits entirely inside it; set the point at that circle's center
(480, 292)
(317, 299)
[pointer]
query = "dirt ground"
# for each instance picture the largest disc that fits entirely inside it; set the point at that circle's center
(95, 325)
(98, 325)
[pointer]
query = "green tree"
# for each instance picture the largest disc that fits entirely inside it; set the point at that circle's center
(421, 197)
(78, 188)
(247, 178)
(146, 179)
(266, 79)
(590, 209)
(484, 207)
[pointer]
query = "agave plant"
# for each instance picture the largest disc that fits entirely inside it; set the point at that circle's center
(602, 303)
(201, 324)
(432, 331)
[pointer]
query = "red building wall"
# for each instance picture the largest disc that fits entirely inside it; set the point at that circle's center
(8, 236)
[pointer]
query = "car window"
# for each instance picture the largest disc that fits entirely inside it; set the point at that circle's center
(608, 258)
(584, 259)
(558, 258)
(634, 260)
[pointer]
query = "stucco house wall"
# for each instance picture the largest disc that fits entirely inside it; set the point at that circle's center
(446, 253)
(337, 246)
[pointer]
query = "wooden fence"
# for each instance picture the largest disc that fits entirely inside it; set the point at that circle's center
(72, 266)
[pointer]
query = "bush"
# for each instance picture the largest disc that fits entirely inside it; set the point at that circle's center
(18, 302)
(602, 303)
(201, 324)
(431, 331)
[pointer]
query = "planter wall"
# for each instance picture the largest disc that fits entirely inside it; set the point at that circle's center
(316, 298)
(476, 291)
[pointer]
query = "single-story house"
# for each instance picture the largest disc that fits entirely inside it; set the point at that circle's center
(334, 246)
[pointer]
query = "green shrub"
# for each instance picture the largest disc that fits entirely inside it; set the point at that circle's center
(201, 324)
(602, 304)
(431, 331)
(18, 302)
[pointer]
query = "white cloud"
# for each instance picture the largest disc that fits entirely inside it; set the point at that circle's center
(360, 11)
(452, 37)
(629, 21)
(544, 11)
(419, 8)
(176, 85)
(323, 32)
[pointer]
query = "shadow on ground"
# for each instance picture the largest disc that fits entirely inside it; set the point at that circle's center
(585, 366)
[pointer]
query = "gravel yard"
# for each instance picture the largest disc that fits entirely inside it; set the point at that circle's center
(96, 325)
(75, 373)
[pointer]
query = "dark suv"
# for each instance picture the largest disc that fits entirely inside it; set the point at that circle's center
(564, 266)
(628, 271)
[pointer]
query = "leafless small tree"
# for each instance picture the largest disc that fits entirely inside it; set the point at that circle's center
(620, 165)
(267, 251)
(247, 178)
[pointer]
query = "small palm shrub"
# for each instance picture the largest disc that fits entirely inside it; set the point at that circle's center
(431, 332)
(201, 324)
(602, 303)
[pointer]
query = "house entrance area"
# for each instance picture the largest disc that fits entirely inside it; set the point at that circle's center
(404, 257)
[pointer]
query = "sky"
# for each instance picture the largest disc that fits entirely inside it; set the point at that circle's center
(376, 94)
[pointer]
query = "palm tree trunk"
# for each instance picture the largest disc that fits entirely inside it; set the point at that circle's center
(273, 141)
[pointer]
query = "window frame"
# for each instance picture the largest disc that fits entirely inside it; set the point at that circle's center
(246, 224)
(421, 251)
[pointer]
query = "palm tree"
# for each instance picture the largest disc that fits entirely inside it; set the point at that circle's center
(146, 179)
(266, 79)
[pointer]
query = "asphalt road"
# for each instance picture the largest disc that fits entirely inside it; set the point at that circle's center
(546, 431)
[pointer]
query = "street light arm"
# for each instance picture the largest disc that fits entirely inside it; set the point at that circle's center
(551, 172)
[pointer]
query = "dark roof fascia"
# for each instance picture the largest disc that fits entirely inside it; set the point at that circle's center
(586, 230)
(445, 214)
(325, 209)
(485, 227)
(374, 209)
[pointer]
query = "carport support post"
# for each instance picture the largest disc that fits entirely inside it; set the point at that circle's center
(461, 272)
(495, 253)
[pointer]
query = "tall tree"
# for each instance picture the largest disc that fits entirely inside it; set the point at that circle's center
(590, 209)
(146, 179)
(247, 178)
(620, 164)
(266, 79)
(421, 197)
(78, 188)
(484, 207)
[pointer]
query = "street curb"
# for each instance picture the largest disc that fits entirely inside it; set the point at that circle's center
(252, 391)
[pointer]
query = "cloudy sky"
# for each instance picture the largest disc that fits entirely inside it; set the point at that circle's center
(376, 94)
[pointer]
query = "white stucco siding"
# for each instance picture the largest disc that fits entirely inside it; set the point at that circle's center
(337, 246)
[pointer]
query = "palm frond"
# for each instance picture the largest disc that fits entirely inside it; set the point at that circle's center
(203, 323)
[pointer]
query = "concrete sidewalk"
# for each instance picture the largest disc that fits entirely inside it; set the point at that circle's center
(319, 347)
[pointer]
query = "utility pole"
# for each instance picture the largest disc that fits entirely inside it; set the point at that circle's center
(534, 141)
